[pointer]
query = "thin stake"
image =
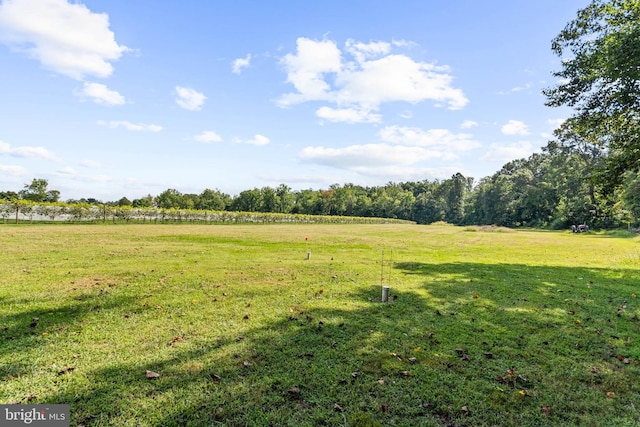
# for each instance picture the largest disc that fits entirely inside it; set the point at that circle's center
(390, 267)
(382, 269)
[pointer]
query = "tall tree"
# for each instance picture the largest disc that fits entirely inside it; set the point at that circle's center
(37, 191)
(600, 80)
(170, 198)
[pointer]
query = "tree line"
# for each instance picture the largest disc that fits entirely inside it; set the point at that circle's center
(552, 189)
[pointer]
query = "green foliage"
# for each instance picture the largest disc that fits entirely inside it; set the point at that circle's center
(600, 51)
(37, 192)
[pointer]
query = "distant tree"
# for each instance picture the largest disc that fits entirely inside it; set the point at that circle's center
(631, 194)
(213, 200)
(308, 202)
(454, 193)
(268, 199)
(37, 192)
(284, 199)
(144, 202)
(8, 195)
(169, 199)
(124, 202)
(248, 201)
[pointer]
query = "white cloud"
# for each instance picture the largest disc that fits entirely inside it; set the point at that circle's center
(521, 88)
(318, 72)
(241, 63)
(506, 153)
(401, 153)
(369, 155)
(468, 124)
(130, 126)
(348, 115)
(363, 51)
(208, 136)
(438, 138)
(408, 173)
(306, 70)
(90, 164)
(189, 99)
(258, 140)
(28, 152)
(101, 94)
(12, 170)
(65, 37)
(66, 171)
(515, 127)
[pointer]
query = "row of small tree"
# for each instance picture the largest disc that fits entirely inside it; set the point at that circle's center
(24, 210)
(552, 189)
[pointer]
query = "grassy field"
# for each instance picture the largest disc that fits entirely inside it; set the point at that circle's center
(238, 326)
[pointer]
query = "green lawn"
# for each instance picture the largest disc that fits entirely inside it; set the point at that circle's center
(485, 326)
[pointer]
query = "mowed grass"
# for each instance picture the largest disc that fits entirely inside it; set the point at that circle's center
(484, 327)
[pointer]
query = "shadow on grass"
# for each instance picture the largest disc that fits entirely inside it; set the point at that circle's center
(470, 344)
(24, 332)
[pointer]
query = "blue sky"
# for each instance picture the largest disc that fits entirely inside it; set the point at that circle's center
(118, 98)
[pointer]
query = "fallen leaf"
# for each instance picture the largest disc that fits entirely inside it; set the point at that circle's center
(404, 373)
(465, 409)
(546, 410)
(151, 375)
(246, 364)
(176, 339)
(475, 296)
(29, 397)
(384, 408)
(305, 355)
(412, 360)
(611, 394)
(66, 370)
(381, 381)
(294, 391)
